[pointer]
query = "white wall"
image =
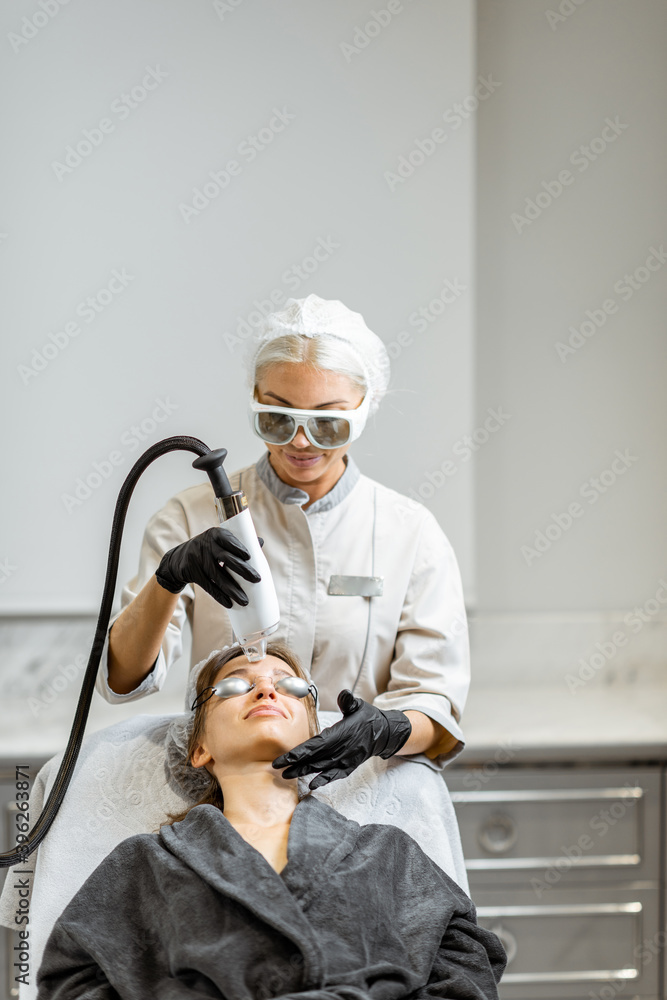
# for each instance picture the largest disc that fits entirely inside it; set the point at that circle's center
(218, 72)
(561, 78)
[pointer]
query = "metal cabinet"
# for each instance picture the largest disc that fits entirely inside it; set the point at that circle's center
(10, 941)
(564, 865)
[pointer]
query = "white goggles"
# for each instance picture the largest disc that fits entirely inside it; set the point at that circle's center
(323, 428)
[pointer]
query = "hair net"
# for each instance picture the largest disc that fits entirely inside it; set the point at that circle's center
(316, 317)
(194, 781)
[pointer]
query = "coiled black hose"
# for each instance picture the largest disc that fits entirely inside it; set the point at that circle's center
(57, 794)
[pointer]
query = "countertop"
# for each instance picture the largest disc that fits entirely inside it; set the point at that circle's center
(547, 724)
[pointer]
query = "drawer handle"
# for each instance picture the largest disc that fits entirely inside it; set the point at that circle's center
(507, 940)
(557, 910)
(587, 976)
(498, 833)
(546, 795)
(592, 861)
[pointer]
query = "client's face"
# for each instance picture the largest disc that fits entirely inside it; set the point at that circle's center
(252, 727)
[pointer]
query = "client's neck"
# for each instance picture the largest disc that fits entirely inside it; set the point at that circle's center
(257, 794)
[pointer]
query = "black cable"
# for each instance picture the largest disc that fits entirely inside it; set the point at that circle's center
(57, 794)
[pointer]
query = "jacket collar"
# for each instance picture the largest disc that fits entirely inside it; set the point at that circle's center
(319, 838)
(292, 495)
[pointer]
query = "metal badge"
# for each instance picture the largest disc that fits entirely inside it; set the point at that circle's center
(356, 586)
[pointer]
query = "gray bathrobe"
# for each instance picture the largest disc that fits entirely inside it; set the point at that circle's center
(358, 913)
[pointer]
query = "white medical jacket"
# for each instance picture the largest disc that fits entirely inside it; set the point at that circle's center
(406, 649)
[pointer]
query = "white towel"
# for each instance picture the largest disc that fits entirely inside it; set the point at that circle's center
(121, 786)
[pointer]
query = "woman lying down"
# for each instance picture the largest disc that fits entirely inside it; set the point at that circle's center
(254, 893)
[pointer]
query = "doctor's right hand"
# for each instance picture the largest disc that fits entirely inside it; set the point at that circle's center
(199, 561)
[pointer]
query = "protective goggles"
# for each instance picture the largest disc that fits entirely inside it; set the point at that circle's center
(232, 687)
(323, 428)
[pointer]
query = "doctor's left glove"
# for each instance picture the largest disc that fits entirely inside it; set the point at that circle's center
(199, 561)
(364, 731)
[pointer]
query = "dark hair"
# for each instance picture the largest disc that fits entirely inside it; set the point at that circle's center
(213, 793)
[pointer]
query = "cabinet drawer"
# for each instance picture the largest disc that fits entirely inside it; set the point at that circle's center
(556, 827)
(565, 947)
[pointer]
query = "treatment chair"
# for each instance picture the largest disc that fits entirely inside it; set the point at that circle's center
(123, 784)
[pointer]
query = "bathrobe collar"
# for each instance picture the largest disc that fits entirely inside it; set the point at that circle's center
(292, 495)
(319, 838)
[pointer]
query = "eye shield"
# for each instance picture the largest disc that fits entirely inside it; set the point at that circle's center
(324, 428)
(232, 687)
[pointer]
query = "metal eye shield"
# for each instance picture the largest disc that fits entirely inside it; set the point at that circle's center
(231, 687)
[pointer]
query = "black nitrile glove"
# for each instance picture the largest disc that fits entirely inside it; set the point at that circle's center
(198, 561)
(363, 732)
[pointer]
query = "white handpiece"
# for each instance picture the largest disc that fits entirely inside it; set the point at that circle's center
(261, 616)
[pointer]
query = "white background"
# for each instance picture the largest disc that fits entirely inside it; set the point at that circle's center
(163, 337)
(560, 77)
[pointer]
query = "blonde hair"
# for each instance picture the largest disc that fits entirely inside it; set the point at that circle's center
(324, 353)
(212, 794)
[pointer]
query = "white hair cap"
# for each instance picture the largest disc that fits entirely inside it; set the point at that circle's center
(316, 317)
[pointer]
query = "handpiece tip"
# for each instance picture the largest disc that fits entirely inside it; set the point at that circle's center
(255, 651)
